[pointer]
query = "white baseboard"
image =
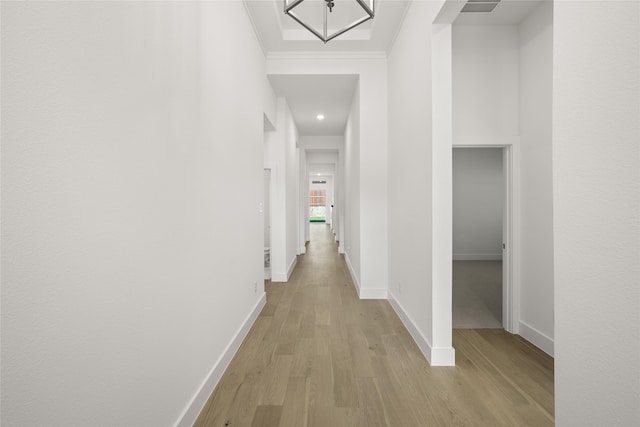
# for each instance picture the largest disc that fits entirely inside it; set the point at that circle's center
(477, 257)
(438, 356)
(293, 264)
(364, 293)
(536, 338)
(280, 276)
(354, 278)
(191, 412)
(375, 293)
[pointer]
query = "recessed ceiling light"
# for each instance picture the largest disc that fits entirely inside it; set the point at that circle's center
(320, 117)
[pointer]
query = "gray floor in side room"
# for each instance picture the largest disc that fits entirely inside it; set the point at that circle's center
(477, 294)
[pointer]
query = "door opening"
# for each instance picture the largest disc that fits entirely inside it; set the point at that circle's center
(267, 223)
(481, 285)
(318, 204)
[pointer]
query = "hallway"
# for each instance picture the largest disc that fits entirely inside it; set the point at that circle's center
(319, 356)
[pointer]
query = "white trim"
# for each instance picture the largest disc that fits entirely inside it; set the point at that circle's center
(511, 224)
(197, 402)
(364, 293)
(373, 293)
(274, 56)
(435, 356)
(354, 278)
(477, 257)
(341, 249)
(394, 37)
(291, 267)
(443, 356)
(255, 28)
(280, 277)
(537, 338)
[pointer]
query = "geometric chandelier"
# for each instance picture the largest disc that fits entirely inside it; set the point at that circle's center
(321, 20)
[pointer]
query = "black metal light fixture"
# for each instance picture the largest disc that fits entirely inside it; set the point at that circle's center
(332, 25)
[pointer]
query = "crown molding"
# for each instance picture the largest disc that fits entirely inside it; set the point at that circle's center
(275, 56)
(392, 42)
(255, 28)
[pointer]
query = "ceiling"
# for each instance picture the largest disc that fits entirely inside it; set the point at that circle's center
(331, 95)
(280, 33)
(310, 95)
(507, 12)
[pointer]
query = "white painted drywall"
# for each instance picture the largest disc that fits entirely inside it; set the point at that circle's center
(535, 105)
(372, 160)
(303, 226)
(410, 181)
(292, 188)
(477, 203)
(128, 259)
(485, 83)
(325, 142)
(266, 207)
(596, 211)
(282, 155)
(352, 190)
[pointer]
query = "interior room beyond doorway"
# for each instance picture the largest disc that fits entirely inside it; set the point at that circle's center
(478, 198)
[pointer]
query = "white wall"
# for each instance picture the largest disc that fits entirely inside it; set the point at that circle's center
(477, 203)
(266, 206)
(124, 280)
(282, 156)
(303, 226)
(372, 169)
(596, 186)
(485, 83)
(352, 242)
(535, 35)
(410, 155)
(292, 179)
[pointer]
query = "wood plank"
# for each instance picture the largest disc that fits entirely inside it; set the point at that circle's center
(267, 416)
(371, 407)
(319, 356)
(320, 397)
(344, 389)
(294, 408)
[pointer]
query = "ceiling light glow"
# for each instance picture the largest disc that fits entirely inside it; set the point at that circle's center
(320, 117)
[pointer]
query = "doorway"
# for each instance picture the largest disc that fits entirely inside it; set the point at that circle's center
(477, 238)
(481, 215)
(317, 203)
(267, 223)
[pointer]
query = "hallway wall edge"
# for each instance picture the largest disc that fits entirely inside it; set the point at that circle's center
(193, 409)
(537, 338)
(435, 356)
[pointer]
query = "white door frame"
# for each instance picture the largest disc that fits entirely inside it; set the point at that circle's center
(510, 227)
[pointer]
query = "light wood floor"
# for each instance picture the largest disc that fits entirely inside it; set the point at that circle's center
(319, 356)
